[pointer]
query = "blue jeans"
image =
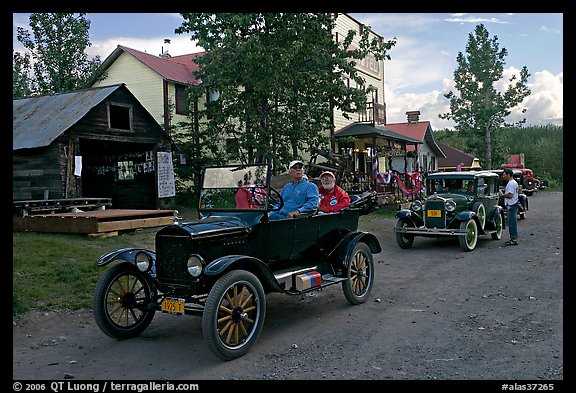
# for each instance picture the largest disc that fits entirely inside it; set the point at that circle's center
(512, 216)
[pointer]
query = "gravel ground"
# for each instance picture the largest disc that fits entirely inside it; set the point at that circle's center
(436, 313)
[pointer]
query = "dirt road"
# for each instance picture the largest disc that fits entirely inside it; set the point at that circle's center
(435, 313)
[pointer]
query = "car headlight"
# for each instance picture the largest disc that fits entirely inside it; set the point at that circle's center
(194, 265)
(143, 261)
(450, 205)
(416, 206)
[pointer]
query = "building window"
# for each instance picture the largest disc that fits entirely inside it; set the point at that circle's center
(120, 116)
(181, 100)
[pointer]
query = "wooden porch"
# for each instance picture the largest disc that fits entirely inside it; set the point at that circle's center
(96, 223)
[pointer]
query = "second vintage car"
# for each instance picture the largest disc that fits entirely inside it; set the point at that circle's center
(221, 266)
(456, 204)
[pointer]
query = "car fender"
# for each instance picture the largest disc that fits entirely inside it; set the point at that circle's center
(409, 215)
(221, 265)
(125, 254)
(343, 251)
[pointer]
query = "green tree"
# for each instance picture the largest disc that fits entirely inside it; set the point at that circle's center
(56, 46)
(278, 77)
(21, 69)
(480, 110)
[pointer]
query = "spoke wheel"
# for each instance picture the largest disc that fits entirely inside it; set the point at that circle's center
(360, 274)
(497, 235)
(469, 239)
(120, 302)
(234, 314)
(403, 240)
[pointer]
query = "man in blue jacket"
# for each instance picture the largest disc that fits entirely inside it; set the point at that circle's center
(300, 195)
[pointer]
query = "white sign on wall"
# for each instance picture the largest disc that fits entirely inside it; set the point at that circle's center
(166, 186)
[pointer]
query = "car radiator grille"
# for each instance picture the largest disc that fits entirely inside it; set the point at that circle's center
(435, 221)
(171, 256)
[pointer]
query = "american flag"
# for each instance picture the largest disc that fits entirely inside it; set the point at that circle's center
(374, 167)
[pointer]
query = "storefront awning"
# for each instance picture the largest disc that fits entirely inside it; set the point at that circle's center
(363, 130)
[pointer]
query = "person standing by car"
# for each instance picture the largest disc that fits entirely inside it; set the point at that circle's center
(300, 196)
(510, 195)
(332, 197)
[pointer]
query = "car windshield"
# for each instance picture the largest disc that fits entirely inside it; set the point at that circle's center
(441, 185)
(234, 187)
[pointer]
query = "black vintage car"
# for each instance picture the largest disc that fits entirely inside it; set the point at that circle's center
(221, 266)
(456, 204)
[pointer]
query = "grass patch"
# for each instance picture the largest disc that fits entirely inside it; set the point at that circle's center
(53, 271)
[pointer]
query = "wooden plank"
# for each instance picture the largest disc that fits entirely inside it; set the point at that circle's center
(134, 224)
(55, 223)
(97, 221)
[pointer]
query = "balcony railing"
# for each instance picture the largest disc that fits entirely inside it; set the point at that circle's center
(373, 113)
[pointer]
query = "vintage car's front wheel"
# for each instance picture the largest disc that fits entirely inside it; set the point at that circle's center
(234, 314)
(497, 235)
(360, 275)
(121, 302)
(469, 238)
(403, 240)
(480, 211)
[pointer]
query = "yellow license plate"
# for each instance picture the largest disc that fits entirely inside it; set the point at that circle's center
(172, 305)
(434, 213)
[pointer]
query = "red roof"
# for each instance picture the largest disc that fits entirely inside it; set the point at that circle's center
(177, 69)
(413, 130)
(421, 131)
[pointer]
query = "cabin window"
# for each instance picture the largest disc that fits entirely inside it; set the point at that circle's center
(120, 116)
(125, 170)
(182, 100)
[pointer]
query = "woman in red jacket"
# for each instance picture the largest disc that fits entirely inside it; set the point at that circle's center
(332, 197)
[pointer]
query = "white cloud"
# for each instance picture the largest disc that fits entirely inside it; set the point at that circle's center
(544, 105)
(179, 45)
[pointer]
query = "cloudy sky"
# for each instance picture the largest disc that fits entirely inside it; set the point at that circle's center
(422, 61)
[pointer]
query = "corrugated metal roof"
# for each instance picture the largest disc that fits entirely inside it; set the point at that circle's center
(37, 121)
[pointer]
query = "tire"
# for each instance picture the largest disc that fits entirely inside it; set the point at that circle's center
(234, 314)
(359, 274)
(529, 183)
(121, 302)
(497, 235)
(469, 239)
(481, 213)
(404, 241)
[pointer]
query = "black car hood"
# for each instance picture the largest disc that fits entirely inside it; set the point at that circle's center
(209, 226)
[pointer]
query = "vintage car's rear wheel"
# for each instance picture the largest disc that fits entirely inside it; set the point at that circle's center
(404, 240)
(469, 239)
(360, 274)
(121, 299)
(497, 235)
(234, 314)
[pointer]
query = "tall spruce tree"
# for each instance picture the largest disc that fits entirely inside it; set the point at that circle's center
(56, 51)
(480, 110)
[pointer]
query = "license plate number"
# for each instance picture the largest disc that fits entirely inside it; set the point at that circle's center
(434, 213)
(172, 305)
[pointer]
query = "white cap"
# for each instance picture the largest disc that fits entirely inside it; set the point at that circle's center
(292, 163)
(327, 173)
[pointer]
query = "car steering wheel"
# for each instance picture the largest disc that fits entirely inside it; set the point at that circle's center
(273, 199)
